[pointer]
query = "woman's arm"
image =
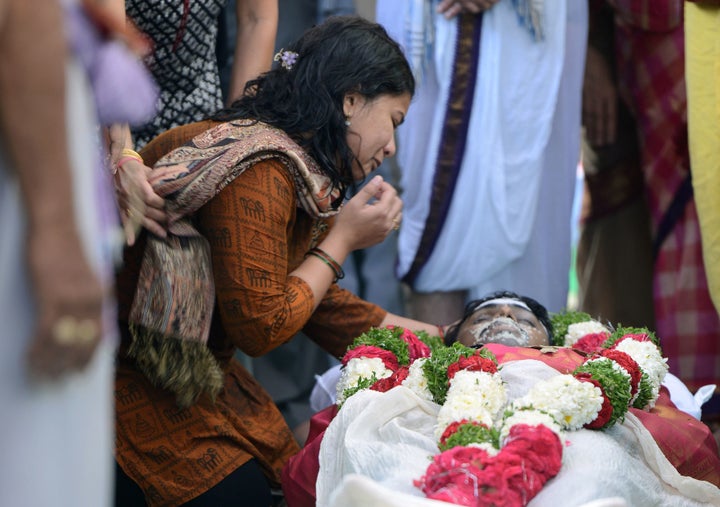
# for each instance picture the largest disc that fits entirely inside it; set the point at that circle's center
(250, 226)
(254, 43)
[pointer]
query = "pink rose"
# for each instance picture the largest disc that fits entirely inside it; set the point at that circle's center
(416, 347)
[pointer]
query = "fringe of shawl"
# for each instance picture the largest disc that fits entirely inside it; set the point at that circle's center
(185, 367)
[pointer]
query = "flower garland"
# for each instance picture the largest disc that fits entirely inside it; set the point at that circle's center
(493, 452)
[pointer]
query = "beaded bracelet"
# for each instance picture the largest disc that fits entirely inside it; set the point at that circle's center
(327, 259)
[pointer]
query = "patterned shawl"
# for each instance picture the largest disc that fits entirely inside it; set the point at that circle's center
(172, 309)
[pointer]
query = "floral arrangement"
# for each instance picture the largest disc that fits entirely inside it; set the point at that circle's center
(495, 452)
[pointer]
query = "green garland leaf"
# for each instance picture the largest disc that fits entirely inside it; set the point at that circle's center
(432, 341)
(362, 384)
(615, 384)
(435, 368)
(645, 392)
(388, 339)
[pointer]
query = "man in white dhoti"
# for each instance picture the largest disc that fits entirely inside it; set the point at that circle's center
(489, 150)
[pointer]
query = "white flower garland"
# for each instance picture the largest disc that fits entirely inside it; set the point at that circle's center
(473, 395)
(416, 380)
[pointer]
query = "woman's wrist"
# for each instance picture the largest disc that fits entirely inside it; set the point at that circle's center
(328, 260)
(128, 155)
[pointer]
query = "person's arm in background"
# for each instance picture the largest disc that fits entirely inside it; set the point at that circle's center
(257, 22)
(33, 122)
(599, 92)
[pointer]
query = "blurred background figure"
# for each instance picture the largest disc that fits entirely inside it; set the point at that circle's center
(649, 41)
(59, 236)
(614, 255)
(648, 235)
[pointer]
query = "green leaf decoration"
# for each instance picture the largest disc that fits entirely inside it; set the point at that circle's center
(615, 384)
(388, 339)
(470, 433)
(562, 321)
(435, 368)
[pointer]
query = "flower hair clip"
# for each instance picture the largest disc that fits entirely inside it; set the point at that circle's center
(286, 58)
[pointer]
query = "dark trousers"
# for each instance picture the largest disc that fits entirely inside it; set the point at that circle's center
(246, 486)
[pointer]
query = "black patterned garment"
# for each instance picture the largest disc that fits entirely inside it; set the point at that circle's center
(183, 62)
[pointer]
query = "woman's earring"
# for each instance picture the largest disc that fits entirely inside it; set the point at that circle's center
(347, 121)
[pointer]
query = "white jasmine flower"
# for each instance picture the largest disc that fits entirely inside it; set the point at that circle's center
(416, 380)
(485, 446)
(486, 390)
(531, 418)
(473, 395)
(570, 402)
(580, 329)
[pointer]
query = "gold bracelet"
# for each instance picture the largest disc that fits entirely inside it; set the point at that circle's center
(126, 156)
(127, 152)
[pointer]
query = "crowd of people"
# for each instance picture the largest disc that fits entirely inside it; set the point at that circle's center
(185, 185)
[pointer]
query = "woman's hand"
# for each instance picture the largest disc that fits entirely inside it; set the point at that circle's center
(451, 8)
(139, 205)
(367, 219)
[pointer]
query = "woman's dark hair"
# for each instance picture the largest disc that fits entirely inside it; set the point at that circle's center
(538, 310)
(343, 54)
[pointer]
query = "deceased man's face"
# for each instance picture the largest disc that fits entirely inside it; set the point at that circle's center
(504, 323)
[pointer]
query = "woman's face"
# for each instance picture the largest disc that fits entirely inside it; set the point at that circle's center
(371, 134)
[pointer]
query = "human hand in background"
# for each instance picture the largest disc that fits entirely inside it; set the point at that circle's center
(599, 100)
(451, 8)
(69, 300)
(373, 213)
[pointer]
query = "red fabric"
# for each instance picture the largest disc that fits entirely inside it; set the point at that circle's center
(301, 471)
(686, 442)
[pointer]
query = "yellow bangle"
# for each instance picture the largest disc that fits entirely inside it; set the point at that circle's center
(127, 155)
(127, 152)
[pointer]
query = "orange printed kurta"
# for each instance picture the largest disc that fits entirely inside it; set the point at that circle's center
(258, 235)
